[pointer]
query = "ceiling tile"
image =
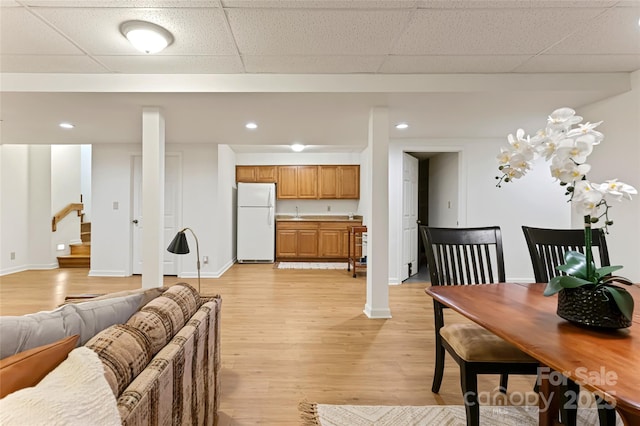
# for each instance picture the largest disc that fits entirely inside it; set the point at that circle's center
(501, 4)
(586, 63)
(615, 32)
(487, 31)
(437, 64)
(21, 33)
(321, 4)
(195, 30)
(165, 64)
(49, 64)
(315, 32)
(312, 64)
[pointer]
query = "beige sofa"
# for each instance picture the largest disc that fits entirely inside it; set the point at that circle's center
(162, 364)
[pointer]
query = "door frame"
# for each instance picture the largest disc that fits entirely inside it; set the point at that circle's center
(396, 150)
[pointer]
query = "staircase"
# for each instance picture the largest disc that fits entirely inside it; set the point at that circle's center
(80, 256)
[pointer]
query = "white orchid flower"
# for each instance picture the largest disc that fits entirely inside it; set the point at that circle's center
(585, 190)
(547, 149)
(513, 173)
(587, 129)
(573, 172)
(521, 144)
(618, 190)
(586, 207)
(565, 117)
(504, 157)
(578, 150)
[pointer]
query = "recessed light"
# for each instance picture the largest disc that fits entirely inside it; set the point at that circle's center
(402, 126)
(145, 36)
(297, 147)
(251, 125)
(66, 125)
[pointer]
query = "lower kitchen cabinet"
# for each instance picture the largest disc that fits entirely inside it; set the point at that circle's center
(310, 240)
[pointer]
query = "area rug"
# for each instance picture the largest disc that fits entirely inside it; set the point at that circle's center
(312, 265)
(440, 415)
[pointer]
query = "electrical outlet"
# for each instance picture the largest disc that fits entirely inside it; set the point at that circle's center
(328, 208)
(13, 255)
(205, 259)
(116, 205)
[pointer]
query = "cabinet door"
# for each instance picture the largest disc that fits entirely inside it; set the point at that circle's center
(344, 246)
(286, 243)
(266, 174)
(307, 181)
(245, 174)
(287, 182)
(348, 182)
(308, 243)
(327, 181)
(330, 243)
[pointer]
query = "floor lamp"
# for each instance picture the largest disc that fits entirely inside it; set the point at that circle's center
(179, 246)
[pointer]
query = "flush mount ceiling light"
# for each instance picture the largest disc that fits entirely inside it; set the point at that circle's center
(145, 36)
(66, 125)
(251, 125)
(402, 126)
(297, 147)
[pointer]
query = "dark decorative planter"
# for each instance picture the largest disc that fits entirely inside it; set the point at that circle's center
(589, 307)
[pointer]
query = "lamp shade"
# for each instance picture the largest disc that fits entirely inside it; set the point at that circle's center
(179, 244)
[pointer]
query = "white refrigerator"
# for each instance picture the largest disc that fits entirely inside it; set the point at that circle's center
(256, 231)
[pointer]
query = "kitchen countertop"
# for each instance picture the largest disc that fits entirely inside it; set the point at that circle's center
(317, 218)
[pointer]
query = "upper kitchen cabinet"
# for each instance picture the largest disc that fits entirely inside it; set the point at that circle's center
(297, 182)
(252, 174)
(339, 182)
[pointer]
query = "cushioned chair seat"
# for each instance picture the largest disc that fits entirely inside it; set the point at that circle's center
(474, 343)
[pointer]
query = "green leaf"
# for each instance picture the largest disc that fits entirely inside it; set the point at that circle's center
(575, 264)
(606, 270)
(564, 281)
(623, 299)
(616, 279)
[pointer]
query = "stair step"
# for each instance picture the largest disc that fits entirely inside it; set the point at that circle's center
(85, 227)
(82, 248)
(85, 237)
(74, 261)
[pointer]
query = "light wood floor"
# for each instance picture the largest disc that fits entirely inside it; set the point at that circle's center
(295, 335)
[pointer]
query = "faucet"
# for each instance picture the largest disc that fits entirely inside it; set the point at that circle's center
(297, 214)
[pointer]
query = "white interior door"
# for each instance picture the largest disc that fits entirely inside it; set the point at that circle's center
(172, 198)
(409, 216)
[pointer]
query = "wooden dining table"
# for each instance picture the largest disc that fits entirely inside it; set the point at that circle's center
(606, 362)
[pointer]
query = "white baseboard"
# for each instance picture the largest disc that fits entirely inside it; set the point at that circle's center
(376, 313)
(13, 270)
(94, 273)
(45, 266)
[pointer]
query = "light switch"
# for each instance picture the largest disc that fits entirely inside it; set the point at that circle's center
(116, 205)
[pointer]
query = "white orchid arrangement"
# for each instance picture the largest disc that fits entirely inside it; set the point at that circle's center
(567, 147)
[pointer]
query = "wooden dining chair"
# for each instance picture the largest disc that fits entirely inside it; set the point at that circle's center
(467, 256)
(546, 249)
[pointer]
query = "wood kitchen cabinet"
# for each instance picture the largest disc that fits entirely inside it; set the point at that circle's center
(296, 240)
(297, 182)
(339, 182)
(259, 174)
(307, 240)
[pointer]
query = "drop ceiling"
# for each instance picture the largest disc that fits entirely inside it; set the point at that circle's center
(313, 50)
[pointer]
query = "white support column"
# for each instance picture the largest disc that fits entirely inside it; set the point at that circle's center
(377, 305)
(152, 197)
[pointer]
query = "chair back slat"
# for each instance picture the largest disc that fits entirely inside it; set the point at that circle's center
(547, 248)
(463, 256)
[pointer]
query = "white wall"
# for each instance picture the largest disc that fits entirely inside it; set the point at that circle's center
(85, 180)
(42, 250)
(443, 190)
(226, 210)
(199, 205)
(15, 208)
(618, 156)
(111, 229)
